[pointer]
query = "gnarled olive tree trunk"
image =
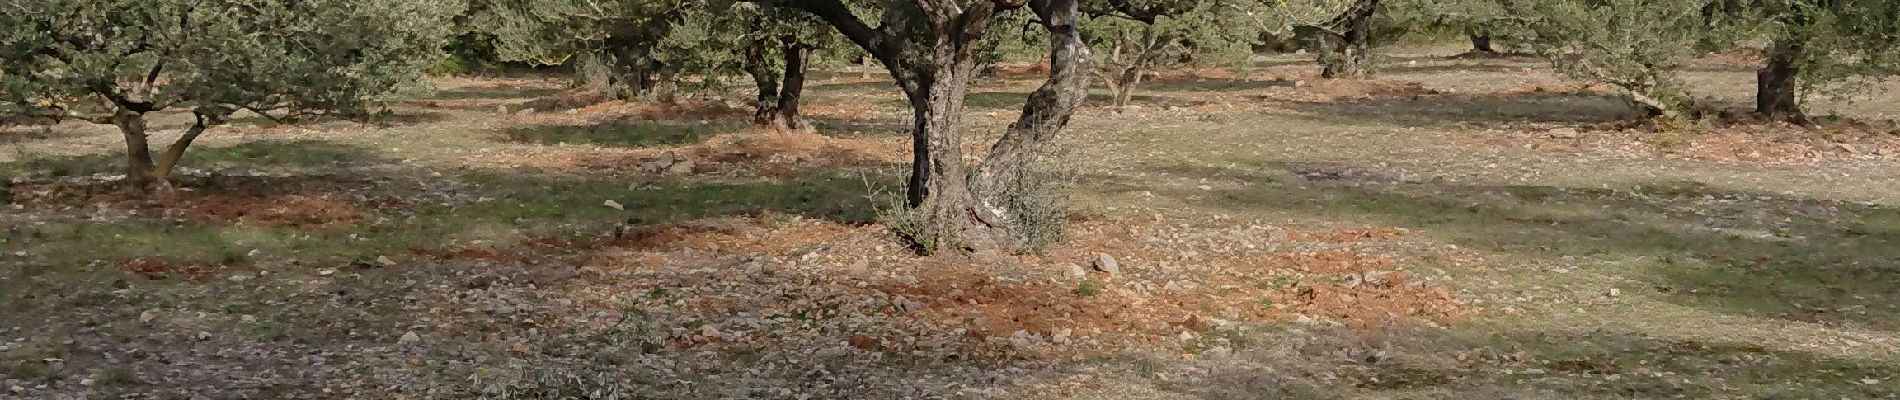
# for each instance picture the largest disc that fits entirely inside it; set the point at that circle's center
(779, 94)
(142, 171)
(625, 69)
(1776, 85)
(1345, 53)
(954, 205)
(1127, 63)
(1480, 41)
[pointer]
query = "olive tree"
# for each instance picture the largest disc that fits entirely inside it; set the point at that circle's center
(1814, 44)
(1135, 36)
(1637, 46)
(118, 62)
(612, 45)
(778, 49)
(930, 48)
(1483, 22)
(1344, 43)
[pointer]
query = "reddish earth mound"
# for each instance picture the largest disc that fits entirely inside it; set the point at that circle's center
(1176, 283)
(295, 210)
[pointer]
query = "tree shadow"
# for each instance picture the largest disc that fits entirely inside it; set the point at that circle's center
(388, 217)
(1465, 363)
(1460, 109)
(296, 154)
(1743, 253)
(624, 133)
(568, 199)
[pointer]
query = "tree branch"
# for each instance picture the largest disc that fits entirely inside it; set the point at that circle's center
(887, 48)
(1125, 9)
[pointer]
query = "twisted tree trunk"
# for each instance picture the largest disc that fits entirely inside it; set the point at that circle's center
(777, 103)
(1351, 49)
(950, 207)
(1775, 83)
(142, 172)
(765, 105)
(796, 63)
(138, 153)
(1480, 41)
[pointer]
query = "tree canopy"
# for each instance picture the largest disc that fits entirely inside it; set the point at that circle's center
(113, 62)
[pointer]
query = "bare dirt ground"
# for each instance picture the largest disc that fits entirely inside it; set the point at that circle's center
(1455, 228)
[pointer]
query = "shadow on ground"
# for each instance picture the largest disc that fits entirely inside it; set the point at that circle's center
(1457, 109)
(1411, 363)
(1749, 254)
(625, 133)
(296, 154)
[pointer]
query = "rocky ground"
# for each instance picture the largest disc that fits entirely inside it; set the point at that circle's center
(1470, 228)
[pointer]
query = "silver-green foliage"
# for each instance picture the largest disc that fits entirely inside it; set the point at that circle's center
(299, 56)
(1638, 46)
(1835, 42)
(1132, 37)
(1485, 18)
(115, 61)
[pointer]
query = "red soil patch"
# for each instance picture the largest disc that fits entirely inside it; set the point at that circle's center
(1374, 301)
(991, 305)
(294, 210)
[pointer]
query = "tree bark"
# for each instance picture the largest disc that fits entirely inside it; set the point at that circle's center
(662, 85)
(138, 154)
(1127, 64)
(1124, 88)
(796, 63)
(1776, 84)
(168, 162)
(944, 206)
(765, 106)
(1480, 41)
(1351, 49)
(1045, 113)
(143, 172)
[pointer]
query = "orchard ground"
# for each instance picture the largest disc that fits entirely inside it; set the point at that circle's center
(1455, 228)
